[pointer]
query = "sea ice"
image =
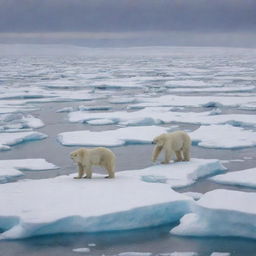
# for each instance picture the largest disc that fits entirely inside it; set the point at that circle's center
(118, 137)
(223, 136)
(194, 101)
(158, 115)
(179, 174)
(221, 213)
(11, 170)
(220, 254)
(245, 178)
(82, 250)
(135, 254)
(107, 210)
(13, 138)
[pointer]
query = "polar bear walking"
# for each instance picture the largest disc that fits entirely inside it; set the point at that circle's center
(86, 158)
(177, 142)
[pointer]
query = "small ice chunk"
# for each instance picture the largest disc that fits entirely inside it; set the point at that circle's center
(135, 254)
(220, 254)
(82, 250)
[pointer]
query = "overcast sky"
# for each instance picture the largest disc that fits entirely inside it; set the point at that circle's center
(128, 16)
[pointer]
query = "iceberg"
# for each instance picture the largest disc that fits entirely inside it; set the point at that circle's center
(223, 136)
(221, 213)
(118, 137)
(11, 170)
(246, 178)
(8, 139)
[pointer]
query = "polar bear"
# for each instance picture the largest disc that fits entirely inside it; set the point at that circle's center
(86, 158)
(177, 142)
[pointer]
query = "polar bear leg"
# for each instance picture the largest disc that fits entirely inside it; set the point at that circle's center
(110, 169)
(88, 171)
(156, 152)
(168, 156)
(178, 156)
(186, 153)
(80, 171)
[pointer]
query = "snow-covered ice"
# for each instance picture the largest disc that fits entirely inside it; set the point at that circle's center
(223, 136)
(135, 254)
(158, 115)
(107, 209)
(179, 174)
(221, 213)
(220, 254)
(117, 137)
(82, 250)
(11, 170)
(8, 139)
(246, 178)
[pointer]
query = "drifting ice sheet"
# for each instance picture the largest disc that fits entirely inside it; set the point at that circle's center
(107, 209)
(245, 178)
(118, 137)
(221, 213)
(10, 170)
(10, 139)
(223, 136)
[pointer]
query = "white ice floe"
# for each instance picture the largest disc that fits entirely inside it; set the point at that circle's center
(220, 254)
(18, 121)
(135, 254)
(118, 137)
(245, 178)
(8, 139)
(223, 136)
(107, 210)
(158, 115)
(82, 250)
(11, 170)
(183, 254)
(221, 213)
(179, 174)
(194, 101)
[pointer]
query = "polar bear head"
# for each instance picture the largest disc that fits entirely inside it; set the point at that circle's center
(77, 155)
(160, 140)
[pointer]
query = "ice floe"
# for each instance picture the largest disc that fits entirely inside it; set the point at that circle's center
(11, 170)
(221, 213)
(8, 139)
(18, 121)
(194, 101)
(118, 137)
(223, 136)
(107, 209)
(158, 115)
(245, 178)
(82, 250)
(179, 174)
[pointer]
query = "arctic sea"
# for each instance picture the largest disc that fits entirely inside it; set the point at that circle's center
(71, 89)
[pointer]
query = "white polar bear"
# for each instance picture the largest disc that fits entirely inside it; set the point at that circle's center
(86, 158)
(177, 142)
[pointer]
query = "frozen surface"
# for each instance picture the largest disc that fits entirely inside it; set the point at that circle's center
(158, 115)
(245, 178)
(18, 121)
(118, 137)
(223, 136)
(10, 139)
(11, 170)
(220, 254)
(107, 209)
(82, 250)
(221, 213)
(135, 254)
(195, 101)
(179, 174)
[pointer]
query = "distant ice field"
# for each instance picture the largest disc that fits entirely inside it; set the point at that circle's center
(59, 96)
